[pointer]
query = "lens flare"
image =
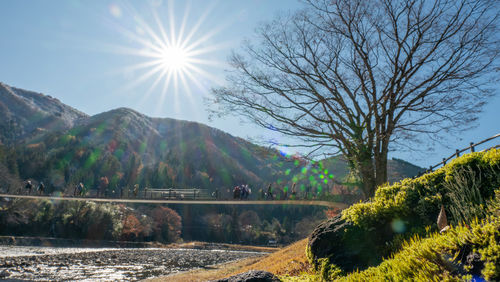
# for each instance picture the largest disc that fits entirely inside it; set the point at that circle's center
(115, 10)
(398, 225)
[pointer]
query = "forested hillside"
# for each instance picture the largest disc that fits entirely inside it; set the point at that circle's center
(111, 151)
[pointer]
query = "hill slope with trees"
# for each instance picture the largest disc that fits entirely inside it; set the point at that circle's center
(120, 148)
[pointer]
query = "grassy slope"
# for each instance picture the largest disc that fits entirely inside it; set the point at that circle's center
(437, 256)
(290, 260)
(442, 257)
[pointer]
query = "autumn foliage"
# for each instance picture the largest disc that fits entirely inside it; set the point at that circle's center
(167, 224)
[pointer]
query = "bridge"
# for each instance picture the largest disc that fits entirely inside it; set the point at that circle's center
(184, 202)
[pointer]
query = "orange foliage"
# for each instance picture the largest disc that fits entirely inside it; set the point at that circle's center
(167, 224)
(131, 228)
(332, 212)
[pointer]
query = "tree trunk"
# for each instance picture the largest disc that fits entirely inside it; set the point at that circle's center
(381, 167)
(367, 174)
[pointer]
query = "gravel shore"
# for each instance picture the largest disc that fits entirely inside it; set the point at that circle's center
(110, 264)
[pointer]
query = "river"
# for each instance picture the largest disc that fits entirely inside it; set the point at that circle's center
(106, 264)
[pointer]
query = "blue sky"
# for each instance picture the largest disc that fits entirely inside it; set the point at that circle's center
(87, 52)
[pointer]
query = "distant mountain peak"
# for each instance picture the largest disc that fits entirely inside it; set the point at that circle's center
(42, 102)
(24, 112)
(125, 110)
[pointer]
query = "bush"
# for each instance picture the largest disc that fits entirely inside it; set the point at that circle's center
(462, 187)
(167, 225)
(410, 207)
(462, 253)
(88, 220)
(66, 219)
(443, 256)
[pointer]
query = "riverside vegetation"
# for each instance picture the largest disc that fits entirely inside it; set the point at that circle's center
(88, 220)
(254, 225)
(394, 235)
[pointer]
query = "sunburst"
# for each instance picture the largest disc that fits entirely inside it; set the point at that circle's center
(174, 58)
(172, 55)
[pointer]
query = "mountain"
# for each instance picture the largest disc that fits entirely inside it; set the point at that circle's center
(397, 169)
(26, 114)
(122, 147)
(9, 176)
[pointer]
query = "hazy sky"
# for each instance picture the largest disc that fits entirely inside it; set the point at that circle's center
(97, 55)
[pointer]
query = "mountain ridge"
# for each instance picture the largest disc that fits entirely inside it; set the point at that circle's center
(24, 113)
(127, 147)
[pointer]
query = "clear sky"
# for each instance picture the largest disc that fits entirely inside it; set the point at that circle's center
(97, 55)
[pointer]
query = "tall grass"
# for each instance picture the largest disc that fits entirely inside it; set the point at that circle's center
(464, 193)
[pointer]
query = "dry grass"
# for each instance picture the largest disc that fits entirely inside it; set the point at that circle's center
(214, 273)
(290, 260)
(220, 246)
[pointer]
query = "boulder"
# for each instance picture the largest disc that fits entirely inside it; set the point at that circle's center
(252, 276)
(343, 244)
(4, 274)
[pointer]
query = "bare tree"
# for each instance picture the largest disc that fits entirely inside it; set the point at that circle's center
(356, 77)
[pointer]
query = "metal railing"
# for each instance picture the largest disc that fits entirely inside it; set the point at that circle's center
(471, 147)
(176, 194)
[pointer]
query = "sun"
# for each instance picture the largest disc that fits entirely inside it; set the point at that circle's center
(174, 56)
(174, 59)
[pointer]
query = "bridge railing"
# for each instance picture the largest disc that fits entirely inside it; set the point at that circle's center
(175, 194)
(471, 148)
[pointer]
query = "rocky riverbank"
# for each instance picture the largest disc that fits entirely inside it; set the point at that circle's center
(107, 264)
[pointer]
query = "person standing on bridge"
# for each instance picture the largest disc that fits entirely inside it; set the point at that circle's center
(28, 187)
(294, 193)
(41, 188)
(269, 193)
(136, 190)
(236, 192)
(243, 193)
(76, 192)
(79, 190)
(249, 191)
(215, 194)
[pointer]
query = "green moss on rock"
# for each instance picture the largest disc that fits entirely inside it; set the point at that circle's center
(443, 257)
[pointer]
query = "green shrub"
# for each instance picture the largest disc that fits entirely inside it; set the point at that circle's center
(408, 210)
(411, 205)
(88, 220)
(442, 256)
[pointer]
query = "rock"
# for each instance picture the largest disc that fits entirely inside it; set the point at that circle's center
(475, 263)
(5, 273)
(252, 276)
(345, 245)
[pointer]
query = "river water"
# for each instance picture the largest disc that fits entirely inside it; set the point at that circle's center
(106, 264)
